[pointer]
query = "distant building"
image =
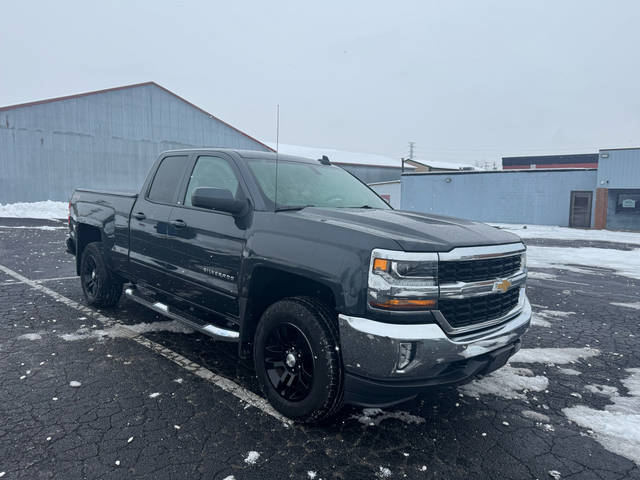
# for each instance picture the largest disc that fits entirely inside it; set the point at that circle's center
(604, 197)
(582, 160)
(105, 139)
(368, 167)
(438, 166)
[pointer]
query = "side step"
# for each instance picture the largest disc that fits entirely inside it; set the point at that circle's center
(212, 330)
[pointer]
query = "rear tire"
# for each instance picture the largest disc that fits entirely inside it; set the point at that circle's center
(99, 285)
(298, 361)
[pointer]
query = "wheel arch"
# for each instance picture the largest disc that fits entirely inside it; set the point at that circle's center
(269, 284)
(85, 234)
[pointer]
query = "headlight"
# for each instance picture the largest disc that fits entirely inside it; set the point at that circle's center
(403, 280)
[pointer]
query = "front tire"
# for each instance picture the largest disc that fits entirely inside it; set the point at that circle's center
(298, 361)
(99, 286)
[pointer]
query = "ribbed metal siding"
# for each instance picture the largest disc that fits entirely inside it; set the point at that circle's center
(533, 197)
(619, 168)
(107, 140)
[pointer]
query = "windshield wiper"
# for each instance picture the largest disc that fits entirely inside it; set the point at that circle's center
(296, 207)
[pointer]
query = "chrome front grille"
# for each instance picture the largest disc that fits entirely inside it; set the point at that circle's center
(477, 310)
(480, 286)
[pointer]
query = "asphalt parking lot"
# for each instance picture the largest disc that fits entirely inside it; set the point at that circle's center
(83, 398)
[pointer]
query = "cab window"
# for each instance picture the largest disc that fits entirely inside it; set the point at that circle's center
(213, 172)
(167, 179)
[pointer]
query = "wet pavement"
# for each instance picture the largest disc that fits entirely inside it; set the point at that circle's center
(161, 406)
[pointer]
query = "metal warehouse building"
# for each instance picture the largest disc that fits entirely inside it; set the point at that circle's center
(103, 139)
(604, 197)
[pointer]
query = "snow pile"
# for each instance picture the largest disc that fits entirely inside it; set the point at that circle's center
(126, 331)
(30, 336)
(635, 305)
(373, 416)
(564, 233)
(541, 318)
(583, 260)
(507, 382)
(553, 355)
(533, 415)
(617, 427)
(513, 383)
(252, 457)
(48, 210)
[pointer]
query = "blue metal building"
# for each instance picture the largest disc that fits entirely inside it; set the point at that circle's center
(604, 197)
(104, 139)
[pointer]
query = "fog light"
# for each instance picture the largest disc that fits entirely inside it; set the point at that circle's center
(405, 355)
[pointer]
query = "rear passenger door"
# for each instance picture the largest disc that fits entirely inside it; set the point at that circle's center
(150, 221)
(207, 245)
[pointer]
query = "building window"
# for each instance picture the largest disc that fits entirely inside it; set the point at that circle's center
(628, 203)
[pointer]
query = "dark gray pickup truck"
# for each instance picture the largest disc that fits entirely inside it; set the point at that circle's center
(338, 297)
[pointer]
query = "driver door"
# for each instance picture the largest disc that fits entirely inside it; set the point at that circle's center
(207, 245)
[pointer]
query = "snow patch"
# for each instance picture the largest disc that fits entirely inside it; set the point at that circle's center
(553, 355)
(564, 233)
(35, 227)
(583, 260)
(30, 336)
(635, 306)
(47, 210)
(538, 321)
(555, 474)
(532, 415)
(541, 318)
(541, 276)
(383, 472)
(126, 331)
(311, 474)
(154, 394)
(569, 371)
(507, 382)
(374, 416)
(74, 384)
(617, 427)
(252, 457)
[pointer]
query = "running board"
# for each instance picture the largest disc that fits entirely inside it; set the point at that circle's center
(212, 330)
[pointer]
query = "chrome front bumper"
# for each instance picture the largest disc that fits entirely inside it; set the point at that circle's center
(371, 349)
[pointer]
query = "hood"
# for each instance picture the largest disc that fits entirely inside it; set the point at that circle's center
(412, 231)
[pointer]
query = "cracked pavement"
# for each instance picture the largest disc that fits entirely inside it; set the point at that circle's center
(115, 426)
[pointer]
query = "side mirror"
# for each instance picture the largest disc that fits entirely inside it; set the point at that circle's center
(218, 199)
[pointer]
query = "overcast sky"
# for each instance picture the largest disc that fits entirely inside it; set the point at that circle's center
(465, 80)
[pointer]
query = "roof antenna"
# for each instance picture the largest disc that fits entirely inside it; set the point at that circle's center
(277, 148)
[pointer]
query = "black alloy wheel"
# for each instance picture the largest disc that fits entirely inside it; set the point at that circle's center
(289, 362)
(100, 286)
(89, 278)
(298, 361)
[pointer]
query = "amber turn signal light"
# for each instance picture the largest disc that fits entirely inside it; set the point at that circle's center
(380, 265)
(405, 304)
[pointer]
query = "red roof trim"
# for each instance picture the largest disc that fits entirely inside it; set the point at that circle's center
(144, 84)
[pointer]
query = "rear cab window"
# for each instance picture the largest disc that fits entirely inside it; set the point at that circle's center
(168, 179)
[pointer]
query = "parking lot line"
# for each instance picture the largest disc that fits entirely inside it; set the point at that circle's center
(221, 382)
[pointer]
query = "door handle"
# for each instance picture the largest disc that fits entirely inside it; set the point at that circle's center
(178, 223)
(139, 215)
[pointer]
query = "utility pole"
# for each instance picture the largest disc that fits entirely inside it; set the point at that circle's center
(411, 144)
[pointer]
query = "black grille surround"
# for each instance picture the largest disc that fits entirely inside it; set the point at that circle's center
(477, 270)
(465, 312)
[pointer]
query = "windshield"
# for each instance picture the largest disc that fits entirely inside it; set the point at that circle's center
(312, 185)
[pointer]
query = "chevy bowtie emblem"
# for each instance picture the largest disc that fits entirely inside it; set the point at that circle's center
(501, 286)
